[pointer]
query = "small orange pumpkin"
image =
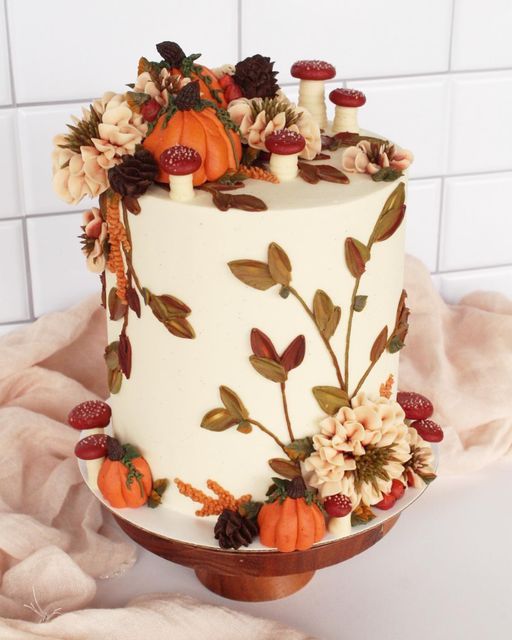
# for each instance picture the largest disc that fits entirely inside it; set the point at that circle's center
(291, 524)
(125, 477)
(219, 148)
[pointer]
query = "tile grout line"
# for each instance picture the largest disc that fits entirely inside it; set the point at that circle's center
(239, 38)
(19, 180)
(440, 225)
(452, 29)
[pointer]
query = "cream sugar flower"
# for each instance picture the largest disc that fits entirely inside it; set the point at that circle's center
(420, 468)
(82, 170)
(359, 451)
(367, 158)
(254, 129)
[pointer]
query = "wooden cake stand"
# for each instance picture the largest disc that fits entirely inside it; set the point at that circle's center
(254, 576)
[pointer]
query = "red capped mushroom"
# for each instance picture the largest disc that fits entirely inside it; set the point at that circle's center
(180, 163)
(285, 146)
(347, 102)
(339, 508)
(92, 449)
(312, 75)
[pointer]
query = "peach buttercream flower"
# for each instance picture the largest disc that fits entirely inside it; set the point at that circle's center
(359, 451)
(257, 118)
(419, 469)
(160, 87)
(368, 157)
(108, 130)
(94, 237)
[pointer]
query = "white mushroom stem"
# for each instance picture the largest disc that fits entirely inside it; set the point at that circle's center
(284, 167)
(345, 119)
(182, 188)
(93, 466)
(312, 98)
(340, 527)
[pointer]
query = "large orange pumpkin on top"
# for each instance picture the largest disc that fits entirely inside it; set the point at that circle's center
(209, 86)
(125, 477)
(220, 148)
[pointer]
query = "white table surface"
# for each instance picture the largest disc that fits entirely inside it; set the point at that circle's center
(444, 572)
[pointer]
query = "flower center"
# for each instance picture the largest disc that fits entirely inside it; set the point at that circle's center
(370, 467)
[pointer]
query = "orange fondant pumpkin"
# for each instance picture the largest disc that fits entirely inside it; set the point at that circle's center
(219, 148)
(291, 524)
(210, 90)
(125, 478)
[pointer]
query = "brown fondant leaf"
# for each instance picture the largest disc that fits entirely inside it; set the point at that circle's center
(218, 419)
(300, 449)
(180, 327)
(330, 399)
(321, 156)
(115, 380)
(350, 139)
(323, 308)
(159, 488)
(112, 355)
(125, 354)
(133, 300)
(391, 216)
(116, 307)
(397, 339)
(379, 345)
(233, 404)
(103, 280)
(285, 468)
(357, 255)
(360, 303)
(224, 201)
(332, 323)
(132, 204)
(294, 353)
(308, 173)
(269, 369)
(244, 427)
(223, 186)
(252, 273)
(361, 515)
(279, 264)
(262, 345)
(331, 174)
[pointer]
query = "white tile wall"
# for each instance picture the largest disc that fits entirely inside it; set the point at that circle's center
(363, 39)
(476, 222)
(5, 80)
(481, 34)
(13, 283)
(438, 76)
(53, 242)
(10, 200)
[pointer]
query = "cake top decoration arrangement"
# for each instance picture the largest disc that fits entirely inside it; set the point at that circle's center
(209, 137)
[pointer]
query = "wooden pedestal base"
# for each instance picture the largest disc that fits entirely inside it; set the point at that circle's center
(254, 576)
(251, 588)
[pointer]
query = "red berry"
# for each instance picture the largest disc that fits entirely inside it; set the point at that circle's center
(397, 489)
(416, 406)
(387, 502)
(338, 505)
(410, 478)
(150, 110)
(91, 414)
(428, 430)
(233, 92)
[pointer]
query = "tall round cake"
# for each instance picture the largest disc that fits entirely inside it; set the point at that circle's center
(251, 255)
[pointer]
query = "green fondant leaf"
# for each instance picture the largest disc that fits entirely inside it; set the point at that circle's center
(391, 216)
(218, 419)
(233, 404)
(300, 449)
(360, 303)
(269, 369)
(330, 399)
(252, 273)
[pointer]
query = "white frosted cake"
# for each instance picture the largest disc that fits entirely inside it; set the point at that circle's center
(251, 255)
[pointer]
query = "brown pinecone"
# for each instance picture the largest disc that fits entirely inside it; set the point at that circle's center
(256, 77)
(134, 174)
(233, 530)
(171, 52)
(115, 449)
(188, 97)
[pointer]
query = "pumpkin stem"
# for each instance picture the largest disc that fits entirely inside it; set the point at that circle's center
(296, 488)
(115, 450)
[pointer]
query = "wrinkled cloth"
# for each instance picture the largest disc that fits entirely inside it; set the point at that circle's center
(55, 538)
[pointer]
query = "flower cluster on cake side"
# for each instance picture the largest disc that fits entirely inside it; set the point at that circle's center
(186, 127)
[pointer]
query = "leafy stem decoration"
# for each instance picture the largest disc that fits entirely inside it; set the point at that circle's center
(270, 365)
(123, 298)
(278, 271)
(357, 255)
(234, 413)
